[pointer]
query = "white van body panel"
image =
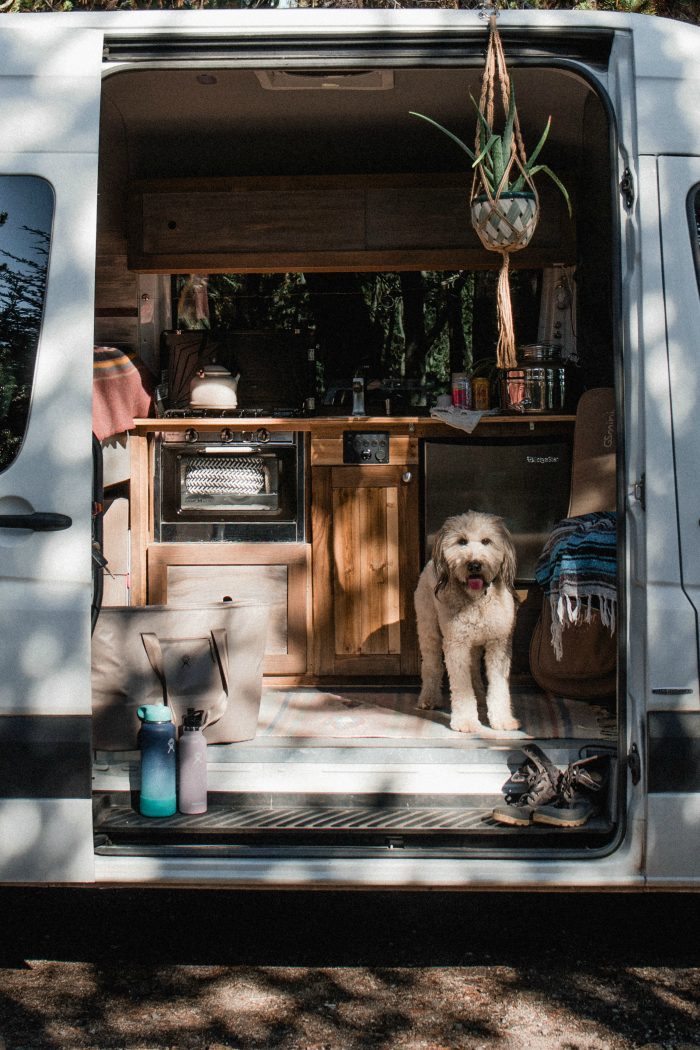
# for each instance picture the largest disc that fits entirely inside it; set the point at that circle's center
(46, 841)
(677, 177)
(50, 87)
(669, 614)
(674, 816)
(50, 78)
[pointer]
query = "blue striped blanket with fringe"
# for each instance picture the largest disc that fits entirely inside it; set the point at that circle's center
(577, 571)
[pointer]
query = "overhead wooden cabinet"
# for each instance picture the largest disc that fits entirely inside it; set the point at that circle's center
(366, 564)
(322, 222)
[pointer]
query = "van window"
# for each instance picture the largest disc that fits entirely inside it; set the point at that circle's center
(420, 326)
(26, 212)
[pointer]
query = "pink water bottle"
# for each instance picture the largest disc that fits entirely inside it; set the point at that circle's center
(192, 765)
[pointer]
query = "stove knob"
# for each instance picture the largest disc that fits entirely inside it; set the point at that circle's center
(262, 435)
(226, 434)
(191, 434)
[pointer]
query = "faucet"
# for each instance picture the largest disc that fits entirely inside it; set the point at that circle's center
(358, 396)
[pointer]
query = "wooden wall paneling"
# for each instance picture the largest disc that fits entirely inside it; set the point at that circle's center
(116, 287)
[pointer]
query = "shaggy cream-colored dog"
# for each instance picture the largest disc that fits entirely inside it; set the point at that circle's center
(465, 608)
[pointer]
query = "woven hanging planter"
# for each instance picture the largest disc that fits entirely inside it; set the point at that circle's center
(499, 223)
(504, 220)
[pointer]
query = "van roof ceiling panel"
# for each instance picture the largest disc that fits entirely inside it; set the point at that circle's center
(226, 121)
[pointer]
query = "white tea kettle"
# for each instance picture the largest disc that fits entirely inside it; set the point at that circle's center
(213, 386)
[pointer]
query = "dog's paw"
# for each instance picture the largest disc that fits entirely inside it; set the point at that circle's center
(429, 701)
(505, 724)
(467, 725)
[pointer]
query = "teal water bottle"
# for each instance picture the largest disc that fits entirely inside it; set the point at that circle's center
(158, 761)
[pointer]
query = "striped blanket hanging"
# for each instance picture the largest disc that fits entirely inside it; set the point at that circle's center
(577, 571)
(121, 390)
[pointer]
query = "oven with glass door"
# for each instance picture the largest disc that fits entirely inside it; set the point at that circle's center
(243, 486)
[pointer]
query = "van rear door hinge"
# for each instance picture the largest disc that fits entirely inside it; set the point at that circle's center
(627, 188)
(634, 764)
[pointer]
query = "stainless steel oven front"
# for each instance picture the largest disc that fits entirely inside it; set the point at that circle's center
(232, 485)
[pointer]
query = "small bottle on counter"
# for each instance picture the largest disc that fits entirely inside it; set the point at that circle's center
(481, 392)
(461, 393)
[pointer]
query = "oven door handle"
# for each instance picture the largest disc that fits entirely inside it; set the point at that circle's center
(229, 450)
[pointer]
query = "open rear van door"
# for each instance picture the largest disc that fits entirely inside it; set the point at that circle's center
(674, 701)
(50, 90)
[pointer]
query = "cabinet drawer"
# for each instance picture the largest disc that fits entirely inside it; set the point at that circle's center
(191, 574)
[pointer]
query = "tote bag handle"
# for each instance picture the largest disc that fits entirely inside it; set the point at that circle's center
(154, 652)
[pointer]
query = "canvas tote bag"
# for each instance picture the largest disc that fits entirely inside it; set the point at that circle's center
(209, 658)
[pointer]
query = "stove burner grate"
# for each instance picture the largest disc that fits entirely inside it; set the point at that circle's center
(236, 413)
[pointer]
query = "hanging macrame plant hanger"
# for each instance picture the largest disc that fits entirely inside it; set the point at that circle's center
(504, 219)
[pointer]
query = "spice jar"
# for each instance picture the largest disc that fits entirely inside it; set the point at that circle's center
(481, 388)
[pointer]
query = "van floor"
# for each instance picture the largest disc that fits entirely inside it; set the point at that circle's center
(359, 764)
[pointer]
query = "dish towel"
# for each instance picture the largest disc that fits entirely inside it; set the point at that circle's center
(121, 391)
(462, 418)
(577, 571)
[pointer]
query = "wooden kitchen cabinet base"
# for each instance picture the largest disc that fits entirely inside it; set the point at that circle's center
(366, 564)
(189, 574)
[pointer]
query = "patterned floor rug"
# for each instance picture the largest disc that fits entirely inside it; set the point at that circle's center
(352, 713)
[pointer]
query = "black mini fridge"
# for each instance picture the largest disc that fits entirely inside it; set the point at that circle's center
(524, 480)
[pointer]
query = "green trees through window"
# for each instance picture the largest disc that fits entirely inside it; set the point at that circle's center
(26, 210)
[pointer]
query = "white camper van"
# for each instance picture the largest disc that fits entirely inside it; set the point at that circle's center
(225, 241)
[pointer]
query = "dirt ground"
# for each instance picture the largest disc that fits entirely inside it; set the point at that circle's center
(145, 970)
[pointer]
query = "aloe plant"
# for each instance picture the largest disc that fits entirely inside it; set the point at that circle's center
(495, 150)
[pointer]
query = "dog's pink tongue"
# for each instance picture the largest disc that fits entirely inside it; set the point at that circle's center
(475, 583)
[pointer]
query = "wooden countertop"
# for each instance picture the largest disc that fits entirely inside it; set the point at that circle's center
(327, 425)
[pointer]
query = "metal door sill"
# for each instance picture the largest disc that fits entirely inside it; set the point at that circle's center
(418, 822)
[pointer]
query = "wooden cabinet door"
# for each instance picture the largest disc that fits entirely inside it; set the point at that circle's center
(366, 563)
(276, 573)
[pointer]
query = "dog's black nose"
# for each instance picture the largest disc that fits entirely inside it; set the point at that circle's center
(474, 566)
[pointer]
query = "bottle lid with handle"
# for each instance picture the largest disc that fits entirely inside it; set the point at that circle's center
(154, 713)
(193, 720)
